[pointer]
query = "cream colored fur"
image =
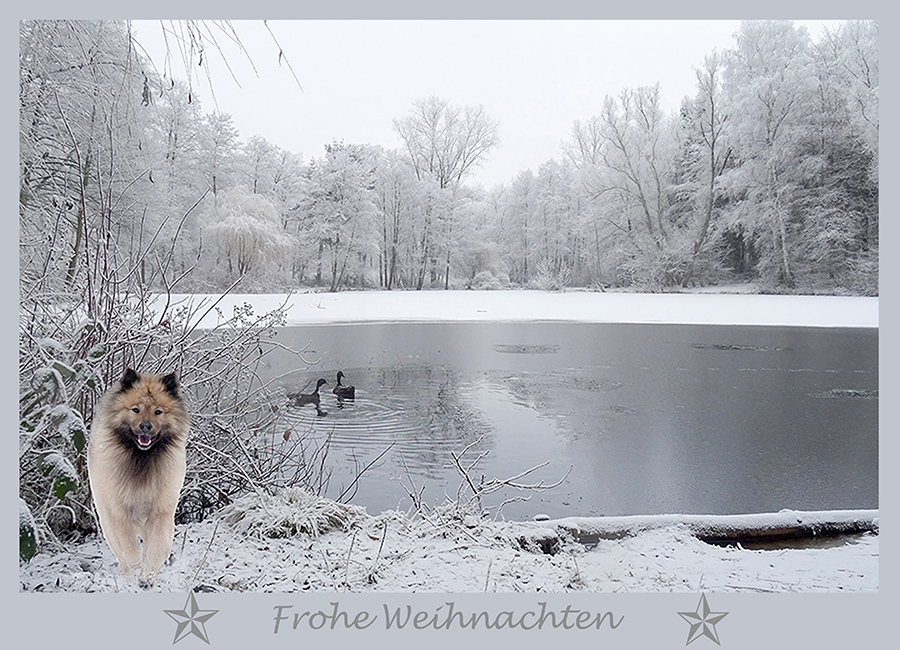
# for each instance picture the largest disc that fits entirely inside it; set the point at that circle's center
(137, 503)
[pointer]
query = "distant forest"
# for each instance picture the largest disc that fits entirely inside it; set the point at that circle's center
(768, 174)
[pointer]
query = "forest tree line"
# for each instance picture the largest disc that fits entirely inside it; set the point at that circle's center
(768, 173)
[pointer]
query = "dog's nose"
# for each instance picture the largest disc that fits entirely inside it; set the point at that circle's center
(146, 427)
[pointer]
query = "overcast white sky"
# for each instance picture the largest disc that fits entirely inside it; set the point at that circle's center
(535, 77)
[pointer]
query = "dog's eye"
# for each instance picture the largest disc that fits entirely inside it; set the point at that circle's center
(136, 409)
(158, 412)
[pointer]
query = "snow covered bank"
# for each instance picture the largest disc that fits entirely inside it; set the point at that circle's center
(446, 554)
(578, 306)
(780, 528)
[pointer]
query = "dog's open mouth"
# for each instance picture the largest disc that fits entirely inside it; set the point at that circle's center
(144, 441)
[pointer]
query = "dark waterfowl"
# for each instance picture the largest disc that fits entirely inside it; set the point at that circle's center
(343, 392)
(302, 399)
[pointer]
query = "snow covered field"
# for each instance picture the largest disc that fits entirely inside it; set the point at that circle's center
(392, 552)
(583, 306)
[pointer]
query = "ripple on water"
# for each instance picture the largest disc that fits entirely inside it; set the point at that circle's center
(520, 348)
(412, 408)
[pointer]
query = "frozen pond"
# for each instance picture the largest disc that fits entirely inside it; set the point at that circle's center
(651, 419)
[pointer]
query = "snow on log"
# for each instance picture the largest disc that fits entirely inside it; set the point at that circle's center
(725, 529)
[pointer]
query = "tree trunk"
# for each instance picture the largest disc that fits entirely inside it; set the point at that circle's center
(79, 222)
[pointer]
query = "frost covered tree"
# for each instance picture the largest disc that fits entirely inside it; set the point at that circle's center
(844, 241)
(771, 90)
(483, 263)
(246, 231)
(804, 179)
(534, 219)
(79, 103)
(217, 150)
(553, 225)
(585, 148)
(445, 143)
(708, 119)
(426, 243)
(339, 213)
(259, 164)
(178, 126)
(176, 130)
(398, 201)
(515, 212)
(625, 160)
(848, 60)
(288, 183)
(636, 153)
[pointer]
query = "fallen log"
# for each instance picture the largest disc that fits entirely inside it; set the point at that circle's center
(750, 530)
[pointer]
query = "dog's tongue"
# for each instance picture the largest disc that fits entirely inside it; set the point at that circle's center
(144, 440)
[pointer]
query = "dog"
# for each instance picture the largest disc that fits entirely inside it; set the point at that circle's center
(136, 468)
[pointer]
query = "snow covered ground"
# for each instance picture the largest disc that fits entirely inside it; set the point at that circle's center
(583, 306)
(440, 553)
(443, 552)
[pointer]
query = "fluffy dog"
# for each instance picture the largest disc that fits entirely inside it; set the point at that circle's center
(136, 466)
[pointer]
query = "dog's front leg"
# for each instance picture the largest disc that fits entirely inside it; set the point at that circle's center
(159, 533)
(122, 538)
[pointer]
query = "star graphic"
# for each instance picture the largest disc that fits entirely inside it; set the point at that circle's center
(703, 622)
(191, 619)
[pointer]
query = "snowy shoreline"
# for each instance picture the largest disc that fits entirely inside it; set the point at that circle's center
(394, 553)
(526, 305)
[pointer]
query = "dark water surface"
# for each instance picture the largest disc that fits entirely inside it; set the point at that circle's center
(651, 419)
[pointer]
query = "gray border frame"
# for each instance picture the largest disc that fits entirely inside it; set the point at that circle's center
(245, 620)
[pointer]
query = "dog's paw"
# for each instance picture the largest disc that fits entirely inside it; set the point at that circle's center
(146, 583)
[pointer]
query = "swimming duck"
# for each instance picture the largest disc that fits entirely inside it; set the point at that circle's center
(343, 392)
(302, 399)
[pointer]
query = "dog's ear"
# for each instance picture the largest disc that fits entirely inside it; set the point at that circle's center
(170, 383)
(129, 379)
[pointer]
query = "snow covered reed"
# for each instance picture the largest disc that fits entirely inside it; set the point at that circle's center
(289, 513)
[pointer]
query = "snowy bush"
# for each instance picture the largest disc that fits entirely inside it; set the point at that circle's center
(67, 423)
(28, 541)
(46, 382)
(52, 431)
(485, 280)
(60, 471)
(289, 513)
(549, 278)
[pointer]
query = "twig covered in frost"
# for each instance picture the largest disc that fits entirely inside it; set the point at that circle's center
(359, 474)
(415, 496)
(370, 576)
(489, 486)
(464, 471)
(347, 561)
(205, 553)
